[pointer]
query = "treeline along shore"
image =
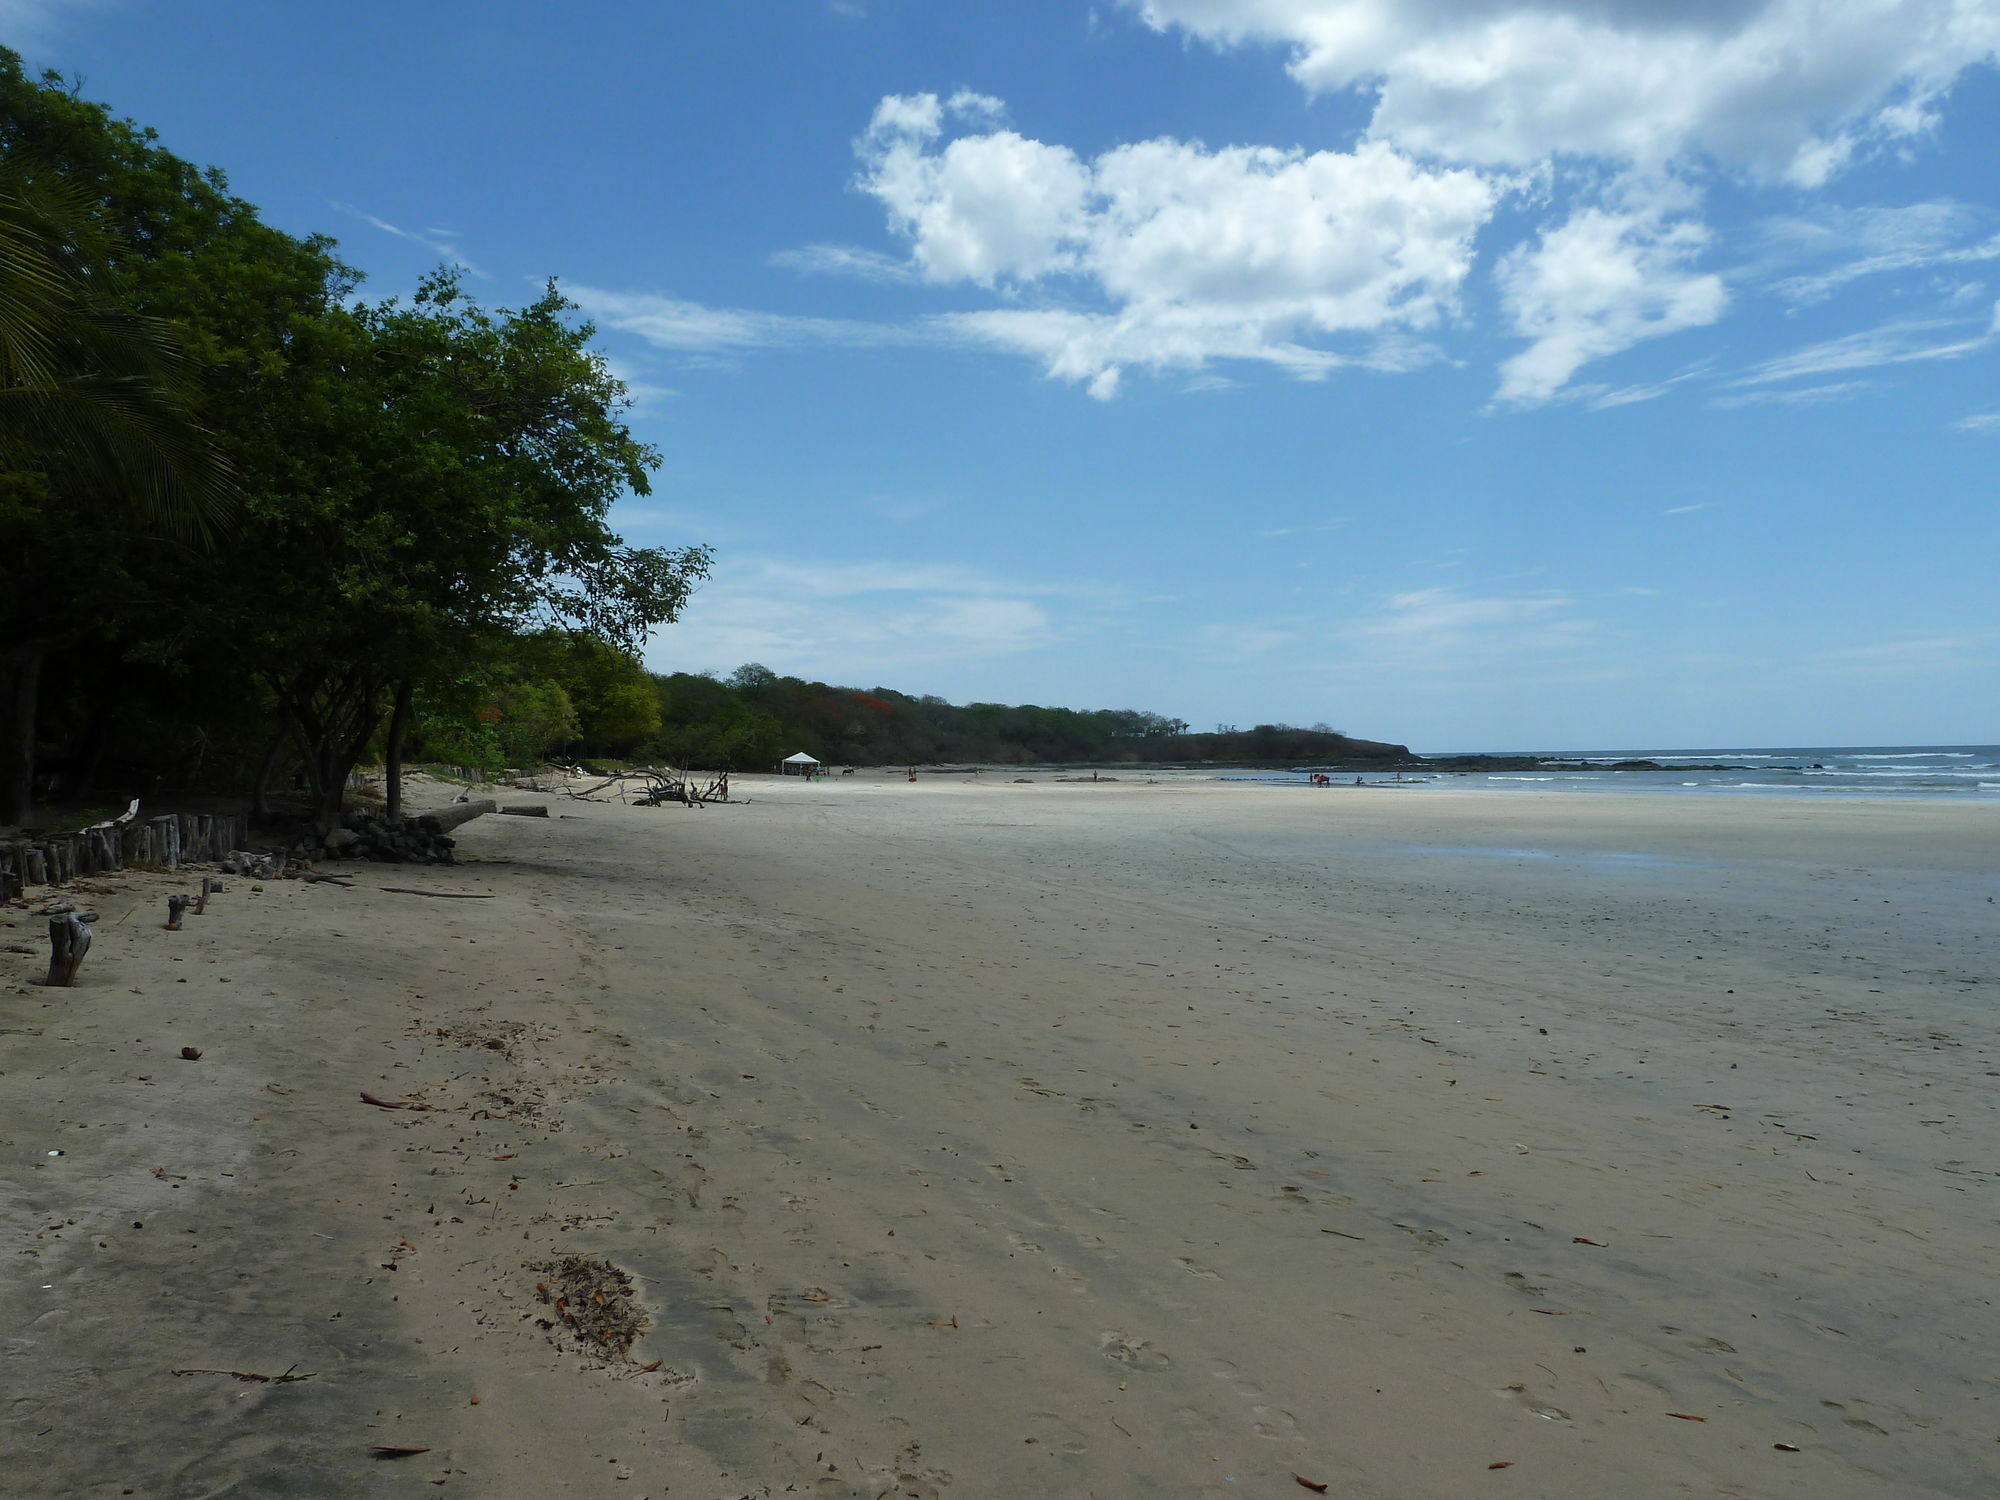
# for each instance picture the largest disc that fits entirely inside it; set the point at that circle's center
(255, 527)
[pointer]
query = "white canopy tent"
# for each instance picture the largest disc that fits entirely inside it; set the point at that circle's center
(801, 764)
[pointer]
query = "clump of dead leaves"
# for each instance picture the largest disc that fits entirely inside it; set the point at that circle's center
(593, 1302)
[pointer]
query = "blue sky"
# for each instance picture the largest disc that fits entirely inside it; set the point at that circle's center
(1471, 373)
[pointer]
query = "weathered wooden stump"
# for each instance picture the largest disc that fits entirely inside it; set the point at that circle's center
(209, 886)
(69, 940)
(177, 905)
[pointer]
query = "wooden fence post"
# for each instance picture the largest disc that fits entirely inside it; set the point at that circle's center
(69, 940)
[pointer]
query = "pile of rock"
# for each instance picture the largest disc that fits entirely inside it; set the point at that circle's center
(400, 841)
(257, 866)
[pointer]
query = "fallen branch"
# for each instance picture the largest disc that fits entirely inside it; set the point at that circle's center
(125, 817)
(285, 1379)
(403, 890)
(403, 1103)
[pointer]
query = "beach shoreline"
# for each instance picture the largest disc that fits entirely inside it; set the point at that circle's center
(980, 1138)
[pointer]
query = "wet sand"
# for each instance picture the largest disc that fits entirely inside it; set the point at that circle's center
(1037, 1140)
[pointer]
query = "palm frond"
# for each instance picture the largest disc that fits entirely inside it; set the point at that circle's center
(95, 395)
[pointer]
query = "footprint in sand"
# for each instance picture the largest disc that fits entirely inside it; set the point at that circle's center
(1078, 1286)
(1713, 1346)
(1053, 1431)
(1195, 1268)
(1859, 1423)
(1520, 1396)
(1274, 1423)
(1136, 1354)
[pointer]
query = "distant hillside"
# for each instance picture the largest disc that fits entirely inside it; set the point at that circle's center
(1273, 744)
(754, 717)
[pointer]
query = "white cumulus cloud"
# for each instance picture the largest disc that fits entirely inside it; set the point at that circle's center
(1780, 89)
(1183, 254)
(1612, 100)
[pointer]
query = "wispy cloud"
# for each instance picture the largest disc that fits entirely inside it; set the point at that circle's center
(1896, 343)
(1979, 421)
(1811, 395)
(847, 580)
(1446, 628)
(685, 327)
(1873, 241)
(1685, 510)
(1432, 612)
(1928, 654)
(1601, 398)
(1333, 525)
(443, 243)
(904, 509)
(847, 260)
(1242, 640)
(862, 621)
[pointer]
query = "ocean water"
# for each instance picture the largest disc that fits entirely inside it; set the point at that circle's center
(1957, 771)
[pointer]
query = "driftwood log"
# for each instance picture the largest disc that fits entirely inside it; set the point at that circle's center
(69, 940)
(527, 810)
(447, 818)
(653, 788)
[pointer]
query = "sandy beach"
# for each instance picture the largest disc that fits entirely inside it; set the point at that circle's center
(1046, 1140)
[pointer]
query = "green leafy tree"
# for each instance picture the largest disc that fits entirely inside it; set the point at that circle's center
(616, 705)
(445, 488)
(537, 718)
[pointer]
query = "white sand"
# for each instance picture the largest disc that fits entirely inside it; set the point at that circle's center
(1378, 1137)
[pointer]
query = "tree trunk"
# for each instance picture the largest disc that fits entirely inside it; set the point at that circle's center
(327, 771)
(331, 722)
(260, 803)
(399, 725)
(20, 692)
